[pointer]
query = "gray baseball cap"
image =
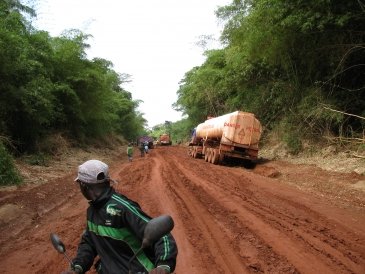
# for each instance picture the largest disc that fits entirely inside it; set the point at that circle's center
(93, 172)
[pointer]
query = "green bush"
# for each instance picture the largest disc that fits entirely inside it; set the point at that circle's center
(38, 159)
(291, 135)
(9, 175)
(293, 143)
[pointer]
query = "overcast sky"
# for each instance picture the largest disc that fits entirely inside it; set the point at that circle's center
(155, 41)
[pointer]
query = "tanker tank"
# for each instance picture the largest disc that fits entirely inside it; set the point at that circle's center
(236, 127)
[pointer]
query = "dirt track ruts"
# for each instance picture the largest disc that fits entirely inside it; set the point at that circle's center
(227, 220)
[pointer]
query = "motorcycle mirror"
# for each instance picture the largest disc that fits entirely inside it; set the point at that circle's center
(157, 228)
(59, 246)
(57, 243)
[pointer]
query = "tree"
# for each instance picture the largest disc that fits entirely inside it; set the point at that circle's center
(49, 85)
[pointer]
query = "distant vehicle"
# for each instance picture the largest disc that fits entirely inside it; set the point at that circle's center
(165, 139)
(233, 135)
(143, 139)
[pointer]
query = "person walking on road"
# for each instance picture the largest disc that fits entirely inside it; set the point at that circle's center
(130, 151)
(114, 230)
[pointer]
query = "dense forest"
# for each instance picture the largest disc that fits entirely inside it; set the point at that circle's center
(299, 65)
(49, 86)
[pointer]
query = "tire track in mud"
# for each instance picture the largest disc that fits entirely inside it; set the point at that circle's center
(310, 242)
(304, 229)
(313, 230)
(232, 228)
(200, 226)
(167, 205)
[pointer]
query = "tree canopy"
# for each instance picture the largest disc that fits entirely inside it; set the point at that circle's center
(49, 85)
(297, 64)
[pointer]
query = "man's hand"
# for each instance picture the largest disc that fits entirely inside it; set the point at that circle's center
(159, 270)
(74, 270)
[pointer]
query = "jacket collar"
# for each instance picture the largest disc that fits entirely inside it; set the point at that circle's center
(103, 198)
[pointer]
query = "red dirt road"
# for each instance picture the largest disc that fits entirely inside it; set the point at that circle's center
(276, 218)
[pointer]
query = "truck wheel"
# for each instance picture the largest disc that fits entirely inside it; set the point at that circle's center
(207, 153)
(221, 158)
(195, 152)
(215, 156)
(210, 156)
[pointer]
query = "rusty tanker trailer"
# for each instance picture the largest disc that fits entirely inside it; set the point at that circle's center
(233, 135)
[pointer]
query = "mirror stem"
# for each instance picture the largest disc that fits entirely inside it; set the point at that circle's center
(68, 259)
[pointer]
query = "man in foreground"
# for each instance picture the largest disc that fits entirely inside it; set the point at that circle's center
(115, 226)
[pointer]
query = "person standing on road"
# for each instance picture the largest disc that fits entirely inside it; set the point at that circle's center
(114, 230)
(146, 147)
(141, 148)
(130, 151)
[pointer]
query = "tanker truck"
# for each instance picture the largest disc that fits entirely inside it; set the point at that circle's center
(233, 135)
(165, 140)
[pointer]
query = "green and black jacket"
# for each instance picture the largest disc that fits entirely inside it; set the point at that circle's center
(114, 232)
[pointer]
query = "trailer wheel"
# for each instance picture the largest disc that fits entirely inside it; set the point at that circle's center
(192, 152)
(221, 158)
(210, 156)
(215, 156)
(206, 155)
(195, 152)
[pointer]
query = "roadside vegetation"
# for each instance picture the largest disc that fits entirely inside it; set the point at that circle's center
(299, 65)
(48, 87)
